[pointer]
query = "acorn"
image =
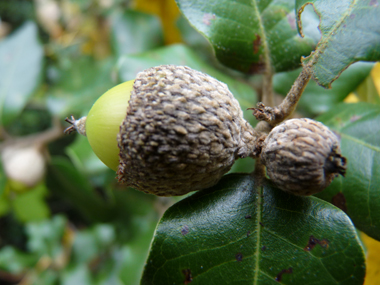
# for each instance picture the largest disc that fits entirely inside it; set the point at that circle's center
(170, 131)
(302, 156)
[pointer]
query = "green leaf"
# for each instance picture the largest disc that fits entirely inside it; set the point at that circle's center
(21, 57)
(3, 180)
(82, 81)
(195, 40)
(84, 158)
(316, 99)
(76, 275)
(15, 261)
(358, 193)
(244, 232)
(31, 206)
(135, 32)
(134, 253)
(130, 65)
(246, 34)
(90, 243)
(350, 32)
(44, 238)
(64, 180)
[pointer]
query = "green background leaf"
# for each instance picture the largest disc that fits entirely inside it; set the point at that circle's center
(246, 33)
(21, 57)
(81, 82)
(350, 32)
(134, 32)
(31, 206)
(358, 193)
(241, 232)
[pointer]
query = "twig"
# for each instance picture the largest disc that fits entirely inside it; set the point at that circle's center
(259, 169)
(278, 114)
(39, 139)
(267, 91)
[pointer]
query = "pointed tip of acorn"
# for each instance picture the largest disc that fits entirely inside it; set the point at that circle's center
(76, 126)
(336, 164)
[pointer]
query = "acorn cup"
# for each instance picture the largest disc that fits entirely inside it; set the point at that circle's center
(170, 131)
(302, 156)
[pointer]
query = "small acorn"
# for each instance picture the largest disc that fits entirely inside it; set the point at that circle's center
(302, 156)
(170, 131)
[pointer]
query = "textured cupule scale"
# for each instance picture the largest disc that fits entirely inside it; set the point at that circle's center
(298, 155)
(182, 132)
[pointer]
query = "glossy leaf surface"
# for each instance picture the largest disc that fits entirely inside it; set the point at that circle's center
(350, 32)
(245, 34)
(358, 194)
(243, 232)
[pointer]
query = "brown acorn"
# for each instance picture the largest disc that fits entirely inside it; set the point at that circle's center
(302, 156)
(180, 132)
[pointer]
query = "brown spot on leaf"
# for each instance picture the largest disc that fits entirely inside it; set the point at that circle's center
(256, 44)
(257, 67)
(239, 257)
(248, 216)
(373, 3)
(314, 241)
(339, 201)
(185, 230)
(278, 278)
(263, 248)
(352, 16)
(188, 276)
(261, 224)
(207, 18)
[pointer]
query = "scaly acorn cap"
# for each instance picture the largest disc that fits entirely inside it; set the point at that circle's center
(302, 156)
(183, 131)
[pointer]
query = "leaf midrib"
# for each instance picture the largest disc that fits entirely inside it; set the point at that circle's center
(267, 59)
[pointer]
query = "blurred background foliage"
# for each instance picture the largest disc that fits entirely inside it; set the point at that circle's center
(75, 224)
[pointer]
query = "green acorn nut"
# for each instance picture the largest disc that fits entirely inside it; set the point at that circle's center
(171, 131)
(302, 156)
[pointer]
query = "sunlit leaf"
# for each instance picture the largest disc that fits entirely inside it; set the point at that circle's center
(372, 259)
(168, 12)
